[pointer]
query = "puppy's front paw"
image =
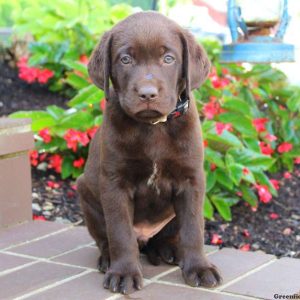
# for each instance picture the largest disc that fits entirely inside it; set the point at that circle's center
(202, 274)
(123, 279)
(103, 262)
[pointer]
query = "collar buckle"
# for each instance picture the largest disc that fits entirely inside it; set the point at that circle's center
(182, 107)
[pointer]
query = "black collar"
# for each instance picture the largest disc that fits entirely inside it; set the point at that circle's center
(182, 107)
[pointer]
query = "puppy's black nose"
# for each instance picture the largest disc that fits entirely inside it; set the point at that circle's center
(148, 93)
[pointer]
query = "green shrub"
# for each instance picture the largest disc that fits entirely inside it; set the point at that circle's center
(63, 32)
(250, 116)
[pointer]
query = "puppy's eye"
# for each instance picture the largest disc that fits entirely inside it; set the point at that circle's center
(168, 59)
(126, 59)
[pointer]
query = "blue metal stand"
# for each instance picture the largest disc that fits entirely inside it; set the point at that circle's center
(256, 49)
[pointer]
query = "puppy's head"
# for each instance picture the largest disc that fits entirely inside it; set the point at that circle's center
(150, 61)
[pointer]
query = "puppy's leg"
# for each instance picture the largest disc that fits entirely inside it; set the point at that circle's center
(95, 222)
(188, 205)
(124, 273)
(164, 245)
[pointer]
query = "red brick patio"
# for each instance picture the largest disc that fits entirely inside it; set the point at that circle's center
(46, 260)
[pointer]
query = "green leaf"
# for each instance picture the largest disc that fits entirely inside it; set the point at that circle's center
(239, 122)
(248, 195)
(77, 172)
(40, 119)
(226, 139)
(79, 120)
(222, 207)
(294, 103)
(252, 160)
(263, 179)
(223, 178)
(252, 144)
(67, 167)
(214, 157)
(55, 111)
(77, 82)
(248, 97)
(235, 173)
(210, 180)
(208, 209)
(98, 120)
(90, 91)
(75, 66)
(236, 105)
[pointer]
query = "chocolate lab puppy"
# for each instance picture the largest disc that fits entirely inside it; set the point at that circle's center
(143, 183)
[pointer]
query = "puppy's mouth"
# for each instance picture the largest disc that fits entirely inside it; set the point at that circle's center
(151, 116)
(148, 114)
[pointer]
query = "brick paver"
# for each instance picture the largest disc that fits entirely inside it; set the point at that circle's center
(44, 260)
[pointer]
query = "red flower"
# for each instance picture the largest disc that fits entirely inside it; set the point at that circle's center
(275, 184)
(28, 74)
(84, 59)
(74, 187)
(245, 247)
(216, 239)
(254, 208)
(284, 147)
(45, 135)
(270, 137)
(38, 218)
(73, 137)
(78, 163)
(220, 127)
(44, 75)
(263, 193)
(297, 160)
(43, 156)
(225, 71)
(246, 171)
(212, 109)
(218, 82)
(239, 193)
(246, 233)
(92, 131)
(52, 184)
(205, 143)
(103, 104)
(34, 155)
(287, 175)
(31, 74)
(265, 148)
(273, 216)
(213, 167)
(22, 62)
(259, 124)
(55, 162)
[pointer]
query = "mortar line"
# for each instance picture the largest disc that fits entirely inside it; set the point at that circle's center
(48, 260)
(38, 238)
(164, 273)
(72, 250)
(213, 291)
(55, 284)
(222, 287)
(11, 270)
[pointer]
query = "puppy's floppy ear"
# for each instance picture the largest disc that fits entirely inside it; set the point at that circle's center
(196, 65)
(99, 66)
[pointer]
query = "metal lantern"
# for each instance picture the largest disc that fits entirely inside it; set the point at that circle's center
(257, 38)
